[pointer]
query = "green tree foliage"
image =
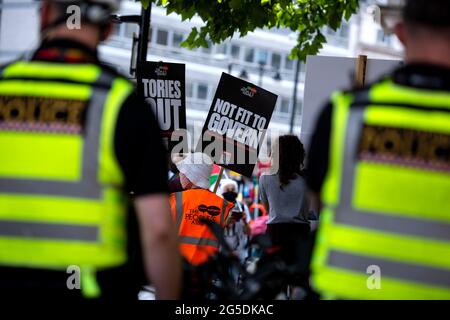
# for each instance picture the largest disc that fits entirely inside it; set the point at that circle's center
(225, 18)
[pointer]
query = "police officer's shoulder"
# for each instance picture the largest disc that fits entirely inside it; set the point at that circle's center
(361, 95)
(3, 66)
(367, 86)
(113, 72)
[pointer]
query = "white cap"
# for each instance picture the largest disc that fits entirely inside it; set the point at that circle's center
(228, 182)
(197, 168)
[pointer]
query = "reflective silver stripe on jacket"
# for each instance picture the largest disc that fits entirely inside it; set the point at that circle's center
(88, 186)
(390, 268)
(222, 213)
(178, 209)
(199, 241)
(38, 230)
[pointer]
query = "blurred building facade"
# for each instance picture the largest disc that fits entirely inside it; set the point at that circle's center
(260, 57)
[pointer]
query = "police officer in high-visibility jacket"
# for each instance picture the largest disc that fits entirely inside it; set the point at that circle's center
(74, 140)
(197, 242)
(380, 162)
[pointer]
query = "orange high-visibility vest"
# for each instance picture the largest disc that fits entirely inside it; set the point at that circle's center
(197, 242)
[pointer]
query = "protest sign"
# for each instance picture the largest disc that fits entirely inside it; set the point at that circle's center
(236, 124)
(326, 74)
(162, 85)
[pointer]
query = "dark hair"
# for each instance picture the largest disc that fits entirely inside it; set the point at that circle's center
(427, 13)
(291, 155)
